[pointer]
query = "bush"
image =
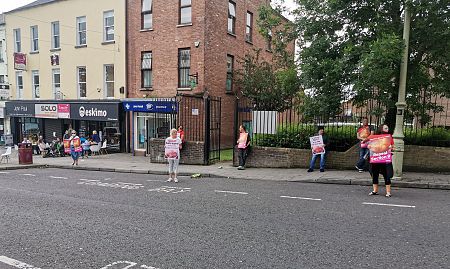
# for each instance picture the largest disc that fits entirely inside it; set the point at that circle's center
(343, 137)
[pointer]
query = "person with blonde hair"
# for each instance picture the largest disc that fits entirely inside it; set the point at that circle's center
(172, 154)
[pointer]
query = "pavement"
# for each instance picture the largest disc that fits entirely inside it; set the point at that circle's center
(127, 163)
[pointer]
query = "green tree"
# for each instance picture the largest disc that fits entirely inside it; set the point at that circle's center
(351, 49)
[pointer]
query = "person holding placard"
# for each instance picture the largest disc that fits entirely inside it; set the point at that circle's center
(172, 154)
(319, 146)
(362, 134)
(75, 147)
(380, 147)
(243, 144)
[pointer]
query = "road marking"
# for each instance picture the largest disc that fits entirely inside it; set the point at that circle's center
(30, 175)
(136, 184)
(155, 180)
(148, 267)
(301, 198)
(4, 172)
(58, 177)
(16, 263)
(170, 189)
(233, 192)
(130, 264)
(410, 206)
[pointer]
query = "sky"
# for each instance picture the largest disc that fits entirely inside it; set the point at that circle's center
(7, 5)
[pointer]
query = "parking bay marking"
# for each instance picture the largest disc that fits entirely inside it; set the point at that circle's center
(409, 206)
(129, 265)
(16, 263)
(58, 177)
(301, 198)
(170, 189)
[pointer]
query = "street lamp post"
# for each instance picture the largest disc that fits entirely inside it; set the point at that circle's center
(401, 104)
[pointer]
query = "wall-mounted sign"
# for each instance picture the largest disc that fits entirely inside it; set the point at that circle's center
(48, 111)
(19, 109)
(64, 111)
(151, 106)
(4, 91)
(20, 61)
(54, 59)
(100, 112)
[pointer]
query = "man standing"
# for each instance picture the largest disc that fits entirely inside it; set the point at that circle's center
(362, 134)
(322, 153)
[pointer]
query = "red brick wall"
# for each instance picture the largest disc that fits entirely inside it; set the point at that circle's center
(209, 19)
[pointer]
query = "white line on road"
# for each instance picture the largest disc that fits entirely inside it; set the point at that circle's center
(16, 263)
(148, 267)
(234, 192)
(301, 198)
(4, 172)
(130, 264)
(137, 184)
(58, 177)
(30, 175)
(410, 206)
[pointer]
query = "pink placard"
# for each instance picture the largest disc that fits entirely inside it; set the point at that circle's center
(64, 111)
(380, 148)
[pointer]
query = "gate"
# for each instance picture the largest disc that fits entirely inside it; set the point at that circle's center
(201, 118)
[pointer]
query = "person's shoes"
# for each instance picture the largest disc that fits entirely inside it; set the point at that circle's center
(175, 180)
(360, 170)
(170, 180)
(388, 195)
(240, 168)
(322, 170)
(310, 170)
(373, 193)
(357, 168)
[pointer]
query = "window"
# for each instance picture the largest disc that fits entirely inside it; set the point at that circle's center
(146, 70)
(231, 17)
(34, 38)
(185, 12)
(184, 67)
(249, 27)
(17, 41)
(2, 79)
(108, 20)
(81, 78)
(35, 84)
(81, 31)
(1, 52)
(269, 40)
(109, 80)
(147, 14)
(230, 66)
(56, 82)
(19, 85)
(55, 35)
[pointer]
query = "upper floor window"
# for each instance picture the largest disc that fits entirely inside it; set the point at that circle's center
(35, 84)
(34, 38)
(81, 81)
(56, 82)
(19, 85)
(108, 28)
(230, 66)
(55, 35)
(249, 27)
(109, 80)
(81, 31)
(184, 67)
(147, 14)
(185, 12)
(1, 52)
(146, 70)
(231, 17)
(17, 40)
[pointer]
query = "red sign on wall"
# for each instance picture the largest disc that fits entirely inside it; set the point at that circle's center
(20, 61)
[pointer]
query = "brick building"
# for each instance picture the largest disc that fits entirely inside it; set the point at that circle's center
(169, 40)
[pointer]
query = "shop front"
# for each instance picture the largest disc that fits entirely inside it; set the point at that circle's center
(51, 119)
(151, 118)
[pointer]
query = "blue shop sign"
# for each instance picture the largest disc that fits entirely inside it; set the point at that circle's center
(151, 106)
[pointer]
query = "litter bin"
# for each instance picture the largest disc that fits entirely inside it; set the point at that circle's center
(25, 153)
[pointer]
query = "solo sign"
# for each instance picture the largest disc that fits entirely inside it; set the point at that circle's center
(48, 111)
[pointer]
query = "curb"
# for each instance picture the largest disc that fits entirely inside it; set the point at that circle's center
(339, 181)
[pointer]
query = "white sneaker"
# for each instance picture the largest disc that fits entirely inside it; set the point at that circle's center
(175, 180)
(170, 180)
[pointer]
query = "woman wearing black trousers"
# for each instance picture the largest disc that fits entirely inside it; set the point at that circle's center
(242, 144)
(381, 168)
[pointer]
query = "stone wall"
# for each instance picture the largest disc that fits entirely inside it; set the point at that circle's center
(192, 152)
(416, 158)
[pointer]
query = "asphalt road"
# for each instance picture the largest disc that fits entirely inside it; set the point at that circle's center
(52, 218)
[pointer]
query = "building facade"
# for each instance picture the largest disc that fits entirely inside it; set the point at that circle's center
(173, 43)
(4, 82)
(67, 58)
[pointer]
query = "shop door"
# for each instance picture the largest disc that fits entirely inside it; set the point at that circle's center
(151, 128)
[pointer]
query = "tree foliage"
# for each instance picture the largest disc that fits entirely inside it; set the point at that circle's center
(351, 50)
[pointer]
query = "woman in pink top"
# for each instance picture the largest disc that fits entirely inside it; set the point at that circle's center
(242, 144)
